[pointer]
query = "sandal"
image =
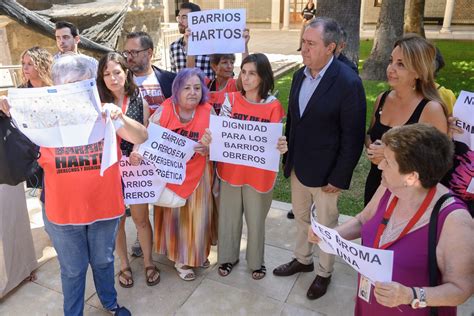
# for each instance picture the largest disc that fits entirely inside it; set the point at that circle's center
(185, 274)
(150, 277)
(226, 268)
(128, 278)
(206, 264)
(260, 273)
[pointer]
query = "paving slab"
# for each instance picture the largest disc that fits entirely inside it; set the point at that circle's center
(340, 297)
(270, 286)
(215, 298)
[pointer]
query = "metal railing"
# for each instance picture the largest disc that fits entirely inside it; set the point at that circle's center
(169, 33)
(9, 76)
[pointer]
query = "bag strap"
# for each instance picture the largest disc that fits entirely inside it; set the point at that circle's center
(432, 241)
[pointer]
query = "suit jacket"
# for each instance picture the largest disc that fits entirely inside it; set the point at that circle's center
(165, 78)
(325, 142)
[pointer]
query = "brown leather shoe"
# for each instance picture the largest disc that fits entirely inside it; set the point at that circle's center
(292, 267)
(318, 288)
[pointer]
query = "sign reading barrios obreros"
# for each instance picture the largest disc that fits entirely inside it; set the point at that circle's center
(168, 152)
(244, 142)
(216, 32)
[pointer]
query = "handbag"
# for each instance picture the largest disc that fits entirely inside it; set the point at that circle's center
(18, 155)
(170, 199)
(432, 242)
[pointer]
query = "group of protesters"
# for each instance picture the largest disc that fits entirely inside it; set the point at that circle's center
(84, 213)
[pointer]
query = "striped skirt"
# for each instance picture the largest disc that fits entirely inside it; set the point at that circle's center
(185, 234)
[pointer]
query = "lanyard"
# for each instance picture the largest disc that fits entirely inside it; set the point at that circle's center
(410, 224)
(124, 104)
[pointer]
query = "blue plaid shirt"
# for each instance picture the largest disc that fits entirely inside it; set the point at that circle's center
(178, 59)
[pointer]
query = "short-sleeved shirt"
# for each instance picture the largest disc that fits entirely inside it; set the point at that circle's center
(150, 90)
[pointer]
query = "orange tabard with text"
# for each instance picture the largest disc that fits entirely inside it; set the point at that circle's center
(75, 193)
(237, 175)
(192, 130)
(216, 98)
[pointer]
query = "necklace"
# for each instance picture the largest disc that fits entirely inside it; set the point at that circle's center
(181, 119)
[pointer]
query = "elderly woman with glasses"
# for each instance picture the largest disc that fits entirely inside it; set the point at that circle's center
(397, 219)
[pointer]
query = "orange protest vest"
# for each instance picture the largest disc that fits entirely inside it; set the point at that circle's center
(75, 193)
(216, 98)
(237, 175)
(192, 130)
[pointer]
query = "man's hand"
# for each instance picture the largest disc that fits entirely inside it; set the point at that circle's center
(330, 189)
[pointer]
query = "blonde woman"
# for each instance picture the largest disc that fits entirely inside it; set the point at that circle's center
(412, 98)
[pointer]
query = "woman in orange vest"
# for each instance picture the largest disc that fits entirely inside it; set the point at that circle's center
(248, 190)
(184, 233)
(223, 67)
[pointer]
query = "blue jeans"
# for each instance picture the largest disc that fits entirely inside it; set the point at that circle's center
(77, 247)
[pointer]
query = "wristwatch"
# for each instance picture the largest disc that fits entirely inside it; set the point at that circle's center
(418, 302)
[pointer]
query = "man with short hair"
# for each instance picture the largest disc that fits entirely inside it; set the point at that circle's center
(153, 82)
(67, 39)
(325, 130)
(179, 48)
(339, 52)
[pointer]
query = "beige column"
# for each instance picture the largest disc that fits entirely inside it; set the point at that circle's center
(286, 15)
(362, 11)
(276, 14)
(448, 16)
(221, 4)
(166, 11)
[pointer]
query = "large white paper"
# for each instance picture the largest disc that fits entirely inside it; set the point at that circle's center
(141, 185)
(67, 115)
(216, 32)
(464, 111)
(169, 152)
(246, 143)
(375, 264)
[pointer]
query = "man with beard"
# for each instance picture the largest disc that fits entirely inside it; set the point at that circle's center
(154, 83)
(179, 48)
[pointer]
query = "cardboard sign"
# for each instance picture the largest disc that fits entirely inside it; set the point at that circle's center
(216, 32)
(375, 264)
(168, 152)
(246, 143)
(141, 185)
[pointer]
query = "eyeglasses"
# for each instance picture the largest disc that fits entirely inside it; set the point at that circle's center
(181, 18)
(132, 53)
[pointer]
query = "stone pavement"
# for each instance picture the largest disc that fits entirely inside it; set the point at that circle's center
(209, 294)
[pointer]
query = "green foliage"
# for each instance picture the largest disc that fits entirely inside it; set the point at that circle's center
(458, 74)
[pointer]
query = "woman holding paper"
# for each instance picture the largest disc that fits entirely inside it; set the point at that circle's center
(83, 208)
(116, 85)
(184, 233)
(248, 190)
(398, 219)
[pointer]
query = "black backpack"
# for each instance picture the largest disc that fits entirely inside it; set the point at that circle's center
(18, 155)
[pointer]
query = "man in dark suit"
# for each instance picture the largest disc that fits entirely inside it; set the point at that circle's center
(325, 132)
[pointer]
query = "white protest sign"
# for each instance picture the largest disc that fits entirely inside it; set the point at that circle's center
(59, 116)
(141, 185)
(216, 32)
(247, 143)
(464, 111)
(375, 264)
(169, 152)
